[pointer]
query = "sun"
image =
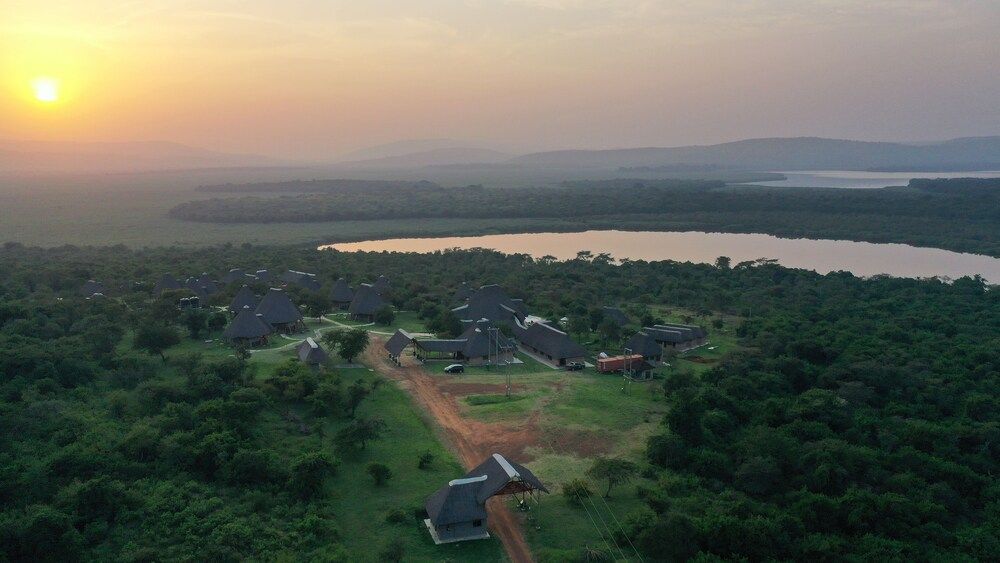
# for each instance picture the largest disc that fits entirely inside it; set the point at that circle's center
(46, 89)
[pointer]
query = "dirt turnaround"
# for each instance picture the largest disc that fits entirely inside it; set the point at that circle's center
(473, 441)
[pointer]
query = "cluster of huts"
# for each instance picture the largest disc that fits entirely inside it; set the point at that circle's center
(486, 314)
(256, 318)
(489, 315)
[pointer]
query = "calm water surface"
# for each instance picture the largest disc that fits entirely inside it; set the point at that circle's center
(823, 256)
(862, 180)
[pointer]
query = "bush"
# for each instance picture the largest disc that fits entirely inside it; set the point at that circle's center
(395, 516)
(425, 461)
(379, 472)
(576, 490)
(384, 315)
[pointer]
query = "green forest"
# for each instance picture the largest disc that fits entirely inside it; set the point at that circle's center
(857, 421)
(961, 214)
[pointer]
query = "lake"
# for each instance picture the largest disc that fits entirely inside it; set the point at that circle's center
(862, 179)
(823, 256)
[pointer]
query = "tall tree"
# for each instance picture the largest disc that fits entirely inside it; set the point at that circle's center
(613, 471)
(155, 339)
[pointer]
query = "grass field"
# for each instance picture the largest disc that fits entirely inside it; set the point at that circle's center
(579, 416)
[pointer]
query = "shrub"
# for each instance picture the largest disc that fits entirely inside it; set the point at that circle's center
(576, 490)
(425, 461)
(379, 472)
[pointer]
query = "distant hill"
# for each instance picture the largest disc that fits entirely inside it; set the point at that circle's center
(434, 157)
(42, 157)
(411, 146)
(801, 153)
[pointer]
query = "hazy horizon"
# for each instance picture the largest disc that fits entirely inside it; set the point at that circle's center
(313, 80)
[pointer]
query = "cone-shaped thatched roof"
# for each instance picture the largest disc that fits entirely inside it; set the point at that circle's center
(381, 285)
(341, 292)
(166, 283)
(243, 298)
(246, 325)
(278, 309)
(366, 301)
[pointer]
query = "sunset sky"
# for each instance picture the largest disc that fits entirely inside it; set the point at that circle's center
(313, 78)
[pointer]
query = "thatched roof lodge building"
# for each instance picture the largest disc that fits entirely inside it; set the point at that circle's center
(304, 280)
(457, 511)
(366, 301)
(341, 294)
(278, 311)
(166, 282)
(550, 343)
(244, 298)
(381, 286)
(646, 346)
(492, 303)
(677, 337)
(248, 328)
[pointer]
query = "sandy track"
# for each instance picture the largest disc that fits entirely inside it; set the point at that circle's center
(472, 440)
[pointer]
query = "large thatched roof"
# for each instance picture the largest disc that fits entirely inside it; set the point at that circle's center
(278, 309)
(490, 302)
(167, 282)
(246, 325)
(366, 301)
(243, 298)
(464, 500)
(549, 340)
(341, 292)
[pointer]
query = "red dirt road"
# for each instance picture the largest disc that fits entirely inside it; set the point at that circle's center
(472, 440)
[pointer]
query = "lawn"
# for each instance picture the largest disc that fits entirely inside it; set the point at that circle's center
(579, 416)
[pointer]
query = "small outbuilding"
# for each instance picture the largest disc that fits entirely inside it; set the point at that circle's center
(457, 511)
(312, 353)
(397, 344)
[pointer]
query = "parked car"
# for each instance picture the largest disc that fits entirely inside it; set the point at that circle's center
(455, 368)
(575, 366)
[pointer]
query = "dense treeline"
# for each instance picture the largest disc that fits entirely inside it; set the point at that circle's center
(434, 201)
(961, 214)
(317, 186)
(860, 422)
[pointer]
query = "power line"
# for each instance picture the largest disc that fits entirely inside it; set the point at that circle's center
(620, 527)
(611, 533)
(594, 522)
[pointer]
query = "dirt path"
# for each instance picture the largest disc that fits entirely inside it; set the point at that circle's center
(472, 440)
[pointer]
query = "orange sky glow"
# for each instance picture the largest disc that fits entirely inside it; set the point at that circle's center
(311, 78)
